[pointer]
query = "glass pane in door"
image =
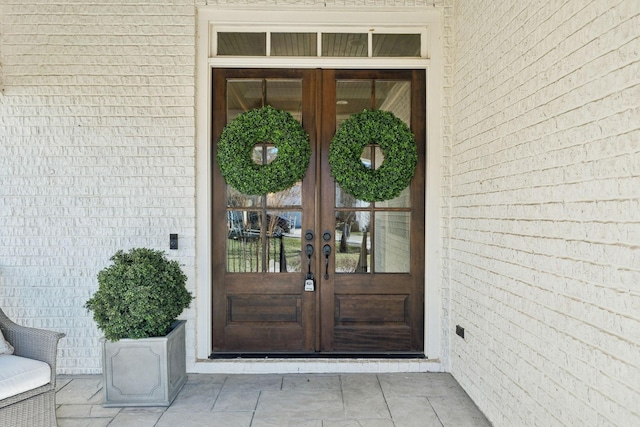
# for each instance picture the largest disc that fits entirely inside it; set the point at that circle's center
(264, 230)
(353, 242)
(392, 242)
(394, 96)
(242, 95)
(384, 241)
(285, 95)
(352, 96)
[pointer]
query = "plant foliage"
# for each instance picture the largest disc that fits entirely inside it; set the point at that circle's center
(398, 146)
(266, 124)
(139, 296)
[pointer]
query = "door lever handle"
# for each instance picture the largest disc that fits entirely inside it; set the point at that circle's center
(309, 252)
(326, 250)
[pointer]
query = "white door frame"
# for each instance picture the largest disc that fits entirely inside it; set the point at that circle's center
(428, 21)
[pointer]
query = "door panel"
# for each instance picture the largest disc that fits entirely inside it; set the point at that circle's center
(369, 290)
(385, 298)
(259, 303)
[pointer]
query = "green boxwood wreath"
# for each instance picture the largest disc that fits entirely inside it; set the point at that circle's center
(398, 145)
(256, 126)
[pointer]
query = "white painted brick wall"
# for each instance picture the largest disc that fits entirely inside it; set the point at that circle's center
(449, 55)
(97, 150)
(544, 262)
(96, 153)
(541, 149)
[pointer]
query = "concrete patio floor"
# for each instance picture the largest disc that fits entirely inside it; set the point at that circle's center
(288, 400)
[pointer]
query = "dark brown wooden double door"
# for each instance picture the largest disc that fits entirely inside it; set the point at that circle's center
(367, 259)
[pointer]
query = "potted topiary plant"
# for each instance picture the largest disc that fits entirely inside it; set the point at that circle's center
(138, 300)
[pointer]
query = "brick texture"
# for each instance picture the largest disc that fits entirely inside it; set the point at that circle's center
(544, 234)
(541, 208)
(97, 150)
(96, 153)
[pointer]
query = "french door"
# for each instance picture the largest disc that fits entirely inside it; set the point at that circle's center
(366, 259)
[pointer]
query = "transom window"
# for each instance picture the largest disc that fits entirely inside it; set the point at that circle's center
(319, 44)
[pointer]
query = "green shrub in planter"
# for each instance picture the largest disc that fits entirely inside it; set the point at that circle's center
(139, 296)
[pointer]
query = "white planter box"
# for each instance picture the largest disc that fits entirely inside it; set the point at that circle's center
(144, 372)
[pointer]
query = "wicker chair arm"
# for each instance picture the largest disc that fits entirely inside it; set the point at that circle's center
(32, 343)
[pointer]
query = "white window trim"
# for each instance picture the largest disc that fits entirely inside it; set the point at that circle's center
(311, 19)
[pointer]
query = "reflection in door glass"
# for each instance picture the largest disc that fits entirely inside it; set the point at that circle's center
(248, 94)
(244, 245)
(243, 95)
(392, 242)
(346, 200)
(264, 154)
(352, 242)
(394, 96)
(402, 201)
(372, 156)
(352, 96)
(236, 199)
(263, 241)
(285, 95)
(291, 197)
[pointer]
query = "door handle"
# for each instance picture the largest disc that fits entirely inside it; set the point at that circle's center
(326, 250)
(309, 251)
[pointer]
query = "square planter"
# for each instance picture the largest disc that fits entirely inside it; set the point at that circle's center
(144, 372)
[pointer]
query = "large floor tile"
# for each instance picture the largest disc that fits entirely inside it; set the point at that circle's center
(61, 382)
(81, 391)
(252, 382)
(359, 423)
(363, 397)
(359, 381)
(205, 419)
(293, 404)
(83, 422)
(137, 417)
(412, 411)
(280, 422)
(420, 384)
(311, 382)
(207, 378)
(458, 412)
(86, 411)
(291, 400)
(365, 405)
(196, 397)
(236, 401)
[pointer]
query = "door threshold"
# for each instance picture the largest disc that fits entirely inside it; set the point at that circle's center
(284, 356)
(317, 364)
